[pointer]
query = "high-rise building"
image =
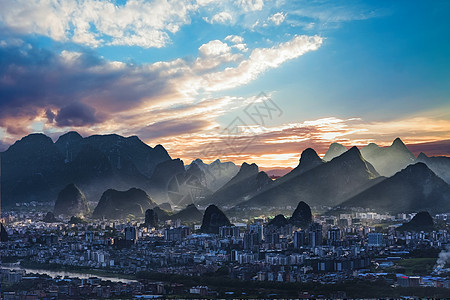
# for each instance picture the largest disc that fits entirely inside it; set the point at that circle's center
(300, 239)
(334, 235)
(375, 239)
(130, 233)
(315, 235)
(228, 231)
(251, 240)
(177, 234)
(259, 229)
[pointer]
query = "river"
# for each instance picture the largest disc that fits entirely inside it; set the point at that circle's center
(62, 274)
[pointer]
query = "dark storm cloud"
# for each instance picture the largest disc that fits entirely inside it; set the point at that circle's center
(36, 82)
(77, 114)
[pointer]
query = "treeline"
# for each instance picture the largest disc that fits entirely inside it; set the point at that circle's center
(353, 288)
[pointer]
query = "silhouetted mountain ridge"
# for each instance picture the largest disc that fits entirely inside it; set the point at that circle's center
(246, 182)
(119, 204)
(327, 184)
(414, 188)
(422, 221)
(35, 168)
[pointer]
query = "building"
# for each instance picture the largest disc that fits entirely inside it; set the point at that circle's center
(228, 231)
(259, 229)
(251, 240)
(300, 239)
(177, 234)
(131, 234)
(315, 235)
(375, 239)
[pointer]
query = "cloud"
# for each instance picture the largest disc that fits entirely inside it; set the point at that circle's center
(94, 23)
(259, 61)
(40, 89)
(214, 48)
(76, 114)
(330, 14)
(214, 54)
(277, 18)
(281, 146)
(173, 127)
(251, 5)
(436, 148)
(238, 42)
(220, 18)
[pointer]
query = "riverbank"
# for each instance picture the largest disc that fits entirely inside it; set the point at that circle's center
(55, 271)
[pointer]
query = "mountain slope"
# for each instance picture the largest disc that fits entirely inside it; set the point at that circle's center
(335, 150)
(308, 160)
(328, 184)
(71, 202)
(213, 218)
(247, 182)
(31, 170)
(217, 173)
(388, 160)
(422, 221)
(413, 189)
(190, 214)
(119, 204)
(440, 165)
(35, 168)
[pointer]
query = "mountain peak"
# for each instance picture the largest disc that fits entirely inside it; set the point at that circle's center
(214, 218)
(352, 153)
(278, 221)
(35, 138)
(422, 221)
(335, 150)
(309, 155)
(398, 143)
(308, 160)
(198, 161)
(302, 215)
(69, 137)
(160, 149)
(71, 201)
(422, 156)
(246, 168)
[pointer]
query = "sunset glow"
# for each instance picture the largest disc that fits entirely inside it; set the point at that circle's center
(184, 73)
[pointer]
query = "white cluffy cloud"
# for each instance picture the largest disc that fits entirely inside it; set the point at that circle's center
(260, 60)
(251, 5)
(238, 42)
(277, 18)
(221, 18)
(94, 23)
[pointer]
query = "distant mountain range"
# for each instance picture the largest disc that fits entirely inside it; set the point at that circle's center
(350, 178)
(37, 169)
(247, 182)
(318, 183)
(414, 188)
(383, 178)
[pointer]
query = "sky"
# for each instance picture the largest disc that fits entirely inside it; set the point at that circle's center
(243, 80)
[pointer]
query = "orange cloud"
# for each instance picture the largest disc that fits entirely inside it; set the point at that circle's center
(280, 146)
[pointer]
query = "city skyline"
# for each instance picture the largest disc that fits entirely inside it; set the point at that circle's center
(180, 73)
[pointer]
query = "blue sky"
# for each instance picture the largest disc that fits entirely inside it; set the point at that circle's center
(180, 72)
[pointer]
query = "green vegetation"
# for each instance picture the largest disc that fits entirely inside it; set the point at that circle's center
(9, 259)
(417, 266)
(252, 289)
